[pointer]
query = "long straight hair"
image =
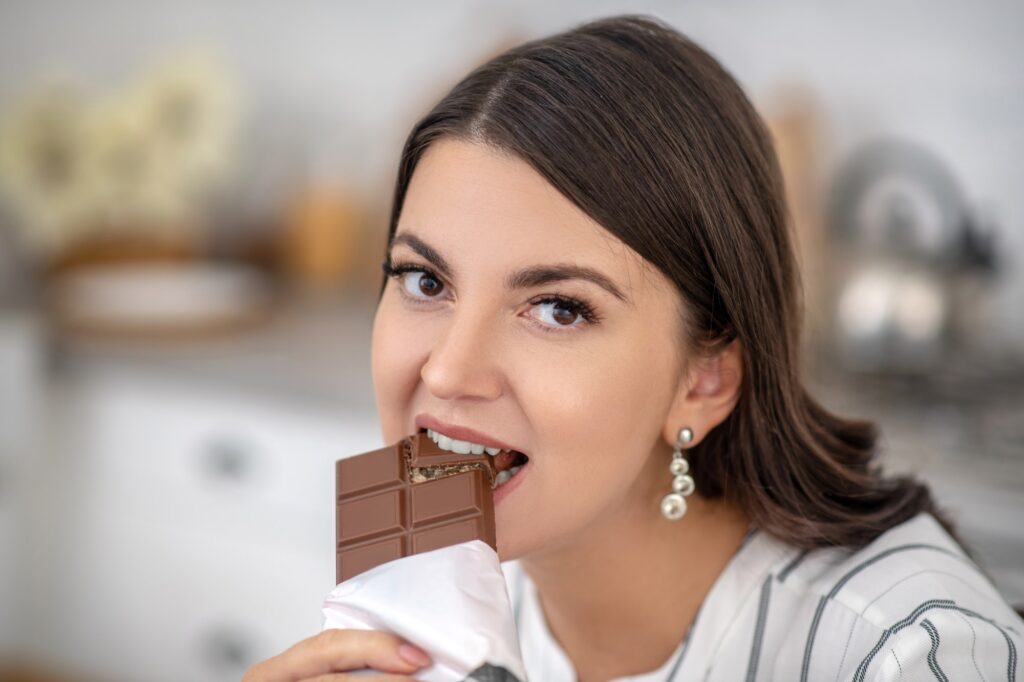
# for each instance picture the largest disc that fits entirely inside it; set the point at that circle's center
(650, 136)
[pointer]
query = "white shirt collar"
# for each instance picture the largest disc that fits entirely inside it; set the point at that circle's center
(739, 582)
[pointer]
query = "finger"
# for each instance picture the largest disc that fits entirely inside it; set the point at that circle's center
(333, 651)
(348, 677)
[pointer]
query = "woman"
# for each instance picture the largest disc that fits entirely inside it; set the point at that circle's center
(589, 262)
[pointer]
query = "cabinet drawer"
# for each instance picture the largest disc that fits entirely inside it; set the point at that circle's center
(180, 453)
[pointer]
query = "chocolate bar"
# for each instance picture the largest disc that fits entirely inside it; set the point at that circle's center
(409, 498)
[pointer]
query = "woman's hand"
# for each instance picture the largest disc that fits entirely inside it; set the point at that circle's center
(325, 657)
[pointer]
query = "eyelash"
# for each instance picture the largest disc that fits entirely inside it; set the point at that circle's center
(396, 270)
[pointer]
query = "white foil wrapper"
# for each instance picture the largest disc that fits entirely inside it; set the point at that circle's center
(452, 603)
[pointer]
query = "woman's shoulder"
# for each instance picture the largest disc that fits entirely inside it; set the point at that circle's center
(911, 602)
(915, 557)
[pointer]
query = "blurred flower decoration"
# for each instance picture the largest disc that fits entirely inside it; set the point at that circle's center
(41, 149)
(136, 163)
(190, 111)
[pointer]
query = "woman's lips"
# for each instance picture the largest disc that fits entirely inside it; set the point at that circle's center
(425, 421)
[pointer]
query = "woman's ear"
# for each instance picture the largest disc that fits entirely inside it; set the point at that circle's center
(707, 394)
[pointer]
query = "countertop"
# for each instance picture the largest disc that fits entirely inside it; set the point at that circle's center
(312, 351)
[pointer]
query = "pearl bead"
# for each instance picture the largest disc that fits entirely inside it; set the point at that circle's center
(673, 506)
(679, 466)
(683, 485)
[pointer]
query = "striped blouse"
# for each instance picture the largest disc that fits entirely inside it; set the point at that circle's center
(909, 606)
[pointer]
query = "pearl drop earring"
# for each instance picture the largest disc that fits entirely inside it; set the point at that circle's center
(673, 505)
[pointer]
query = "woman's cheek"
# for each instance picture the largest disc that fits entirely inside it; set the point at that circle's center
(567, 412)
(395, 371)
(595, 411)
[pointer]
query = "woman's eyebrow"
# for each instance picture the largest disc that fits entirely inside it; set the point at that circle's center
(555, 272)
(425, 250)
(521, 279)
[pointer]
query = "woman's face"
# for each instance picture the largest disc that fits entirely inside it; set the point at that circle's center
(471, 338)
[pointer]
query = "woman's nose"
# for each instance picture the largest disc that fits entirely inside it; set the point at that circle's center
(461, 363)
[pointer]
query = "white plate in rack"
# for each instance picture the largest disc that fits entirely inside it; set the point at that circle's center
(159, 297)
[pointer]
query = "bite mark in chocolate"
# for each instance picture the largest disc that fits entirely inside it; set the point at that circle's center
(426, 461)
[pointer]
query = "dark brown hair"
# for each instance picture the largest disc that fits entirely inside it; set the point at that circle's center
(650, 136)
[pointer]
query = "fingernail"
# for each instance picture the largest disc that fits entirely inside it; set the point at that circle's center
(414, 655)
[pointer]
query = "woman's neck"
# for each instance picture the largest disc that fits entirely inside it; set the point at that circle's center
(623, 595)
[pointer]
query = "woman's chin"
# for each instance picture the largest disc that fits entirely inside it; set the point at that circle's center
(509, 532)
(506, 534)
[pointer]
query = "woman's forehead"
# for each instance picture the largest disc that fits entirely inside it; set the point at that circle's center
(471, 201)
(475, 186)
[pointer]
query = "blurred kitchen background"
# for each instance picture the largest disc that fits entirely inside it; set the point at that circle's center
(193, 199)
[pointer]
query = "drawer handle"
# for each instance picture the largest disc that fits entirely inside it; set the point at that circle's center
(227, 649)
(228, 459)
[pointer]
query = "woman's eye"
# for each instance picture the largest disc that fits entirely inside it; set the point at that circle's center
(564, 312)
(419, 283)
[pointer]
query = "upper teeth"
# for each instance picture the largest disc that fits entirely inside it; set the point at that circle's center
(461, 447)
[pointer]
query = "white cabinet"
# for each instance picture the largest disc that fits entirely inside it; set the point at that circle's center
(186, 532)
(21, 376)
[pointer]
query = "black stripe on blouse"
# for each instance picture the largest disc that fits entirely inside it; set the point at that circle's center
(762, 617)
(933, 661)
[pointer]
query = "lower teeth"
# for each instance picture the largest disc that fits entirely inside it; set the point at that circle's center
(503, 476)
